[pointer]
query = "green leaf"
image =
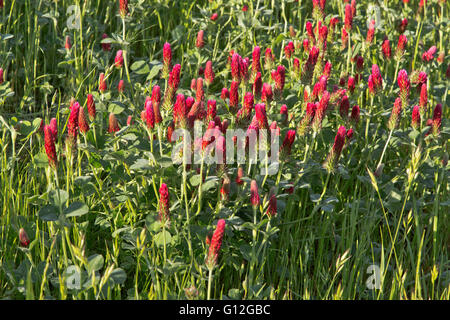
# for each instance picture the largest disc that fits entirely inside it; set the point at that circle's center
(95, 263)
(152, 222)
(76, 209)
(116, 107)
(41, 160)
(209, 184)
(118, 275)
(58, 197)
(195, 180)
(155, 71)
(163, 237)
(140, 67)
(82, 180)
(48, 213)
(141, 164)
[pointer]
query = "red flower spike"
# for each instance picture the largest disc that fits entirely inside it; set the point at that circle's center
(240, 174)
(268, 59)
(24, 241)
(404, 85)
(102, 87)
(437, 119)
(234, 95)
(200, 43)
(256, 61)
(167, 60)
(211, 110)
(288, 142)
(50, 149)
(200, 93)
(68, 44)
(209, 73)
(118, 60)
(395, 114)
(82, 121)
(164, 207)
(415, 119)
(423, 99)
(123, 8)
(225, 94)
(91, 107)
(336, 150)
(216, 243)
(348, 17)
(354, 117)
(113, 123)
(149, 113)
(254, 195)
(120, 86)
(72, 126)
(260, 113)
(257, 85)
(54, 128)
(370, 32)
(272, 208)
(235, 68)
(386, 48)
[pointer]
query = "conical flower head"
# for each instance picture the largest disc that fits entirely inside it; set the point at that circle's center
(50, 146)
(216, 243)
(344, 106)
(256, 61)
(260, 112)
(149, 113)
(336, 150)
(257, 85)
(272, 208)
(82, 121)
(415, 119)
(370, 32)
(118, 60)
(72, 126)
(395, 114)
(164, 206)
(113, 123)
(91, 107)
(234, 95)
(404, 85)
(267, 94)
(437, 119)
(209, 73)
(235, 68)
(24, 240)
(423, 99)
(287, 143)
(123, 8)
(386, 48)
(268, 59)
(254, 194)
(354, 117)
(167, 60)
(348, 17)
(200, 42)
(401, 45)
(102, 87)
